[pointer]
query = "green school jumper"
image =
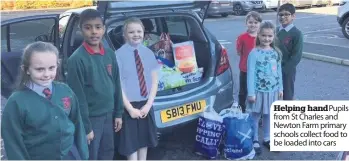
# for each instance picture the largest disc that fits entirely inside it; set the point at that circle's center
(95, 80)
(291, 45)
(35, 128)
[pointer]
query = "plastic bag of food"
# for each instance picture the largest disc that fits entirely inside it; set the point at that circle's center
(170, 78)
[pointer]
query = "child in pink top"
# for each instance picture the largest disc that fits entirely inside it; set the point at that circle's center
(244, 44)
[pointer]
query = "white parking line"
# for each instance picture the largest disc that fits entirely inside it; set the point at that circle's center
(333, 45)
(309, 32)
(307, 17)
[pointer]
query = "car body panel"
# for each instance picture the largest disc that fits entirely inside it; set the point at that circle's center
(213, 87)
(271, 4)
(343, 17)
(248, 5)
(342, 12)
(219, 95)
(220, 7)
(121, 8)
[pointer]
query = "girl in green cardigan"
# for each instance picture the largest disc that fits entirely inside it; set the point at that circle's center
(41, 120)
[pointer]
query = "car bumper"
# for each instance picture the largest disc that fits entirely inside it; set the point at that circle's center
(220, 10)
(269, 5)
(218, 95)
(340, 20)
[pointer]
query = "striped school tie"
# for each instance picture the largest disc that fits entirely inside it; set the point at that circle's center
(47, 93)
(140, 74)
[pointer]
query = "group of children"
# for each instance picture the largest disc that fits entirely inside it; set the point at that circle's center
(268, 59)
(105, 107)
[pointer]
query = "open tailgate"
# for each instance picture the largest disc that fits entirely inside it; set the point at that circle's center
(121, 8)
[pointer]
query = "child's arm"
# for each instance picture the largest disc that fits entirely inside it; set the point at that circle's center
(127, 103)
(12, 132)
(239, 46)
(80, 133)
(155, 67)
(75, 80)
(118, 96)
(251, 70)
(297, 51)
(154, 87)
(281, 87)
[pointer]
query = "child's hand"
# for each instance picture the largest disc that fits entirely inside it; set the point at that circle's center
(281, 95)
(90, 137)
(135, 113)
(144, 110)
(117, 124)
(251, 99)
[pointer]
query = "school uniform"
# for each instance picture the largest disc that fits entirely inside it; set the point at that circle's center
(136, 133)
(38, 126)
(264, 81)
(244, 44)
(94, 77)
(291, 45)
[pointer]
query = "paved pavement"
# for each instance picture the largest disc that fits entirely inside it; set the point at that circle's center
(316, 80)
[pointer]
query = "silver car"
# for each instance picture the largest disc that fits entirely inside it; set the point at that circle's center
(241, 7)
(173, 106)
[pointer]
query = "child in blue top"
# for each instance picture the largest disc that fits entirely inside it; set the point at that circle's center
(264, 80)
(138, 73)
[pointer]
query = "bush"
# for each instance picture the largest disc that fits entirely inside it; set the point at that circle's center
(39, 4)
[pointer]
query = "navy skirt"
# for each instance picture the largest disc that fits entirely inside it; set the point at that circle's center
(136, 133)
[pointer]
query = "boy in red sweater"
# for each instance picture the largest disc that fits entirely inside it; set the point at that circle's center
(244, 44)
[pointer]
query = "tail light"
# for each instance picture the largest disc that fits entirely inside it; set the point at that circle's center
(224, 62)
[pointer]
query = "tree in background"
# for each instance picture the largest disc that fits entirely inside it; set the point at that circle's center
(39, 4)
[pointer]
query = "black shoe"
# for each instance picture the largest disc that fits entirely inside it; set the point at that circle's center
(258, 150)
(267, 144)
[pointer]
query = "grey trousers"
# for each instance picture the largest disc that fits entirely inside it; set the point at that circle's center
(73, 154)
(288, 78)
(102, 146)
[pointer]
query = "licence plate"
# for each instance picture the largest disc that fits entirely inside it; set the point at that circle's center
(178, 112)
(225, 4)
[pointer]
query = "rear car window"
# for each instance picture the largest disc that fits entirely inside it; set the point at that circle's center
(184, 28)
(177, 25)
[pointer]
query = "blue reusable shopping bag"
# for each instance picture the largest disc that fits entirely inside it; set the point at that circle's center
(209, 133)
(238, 139)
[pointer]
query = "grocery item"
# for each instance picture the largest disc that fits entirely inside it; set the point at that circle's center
(193, 77)
(184, 56)
(163, 48)
(170, 78)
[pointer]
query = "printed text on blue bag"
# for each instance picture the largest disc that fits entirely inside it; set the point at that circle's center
(209, 132)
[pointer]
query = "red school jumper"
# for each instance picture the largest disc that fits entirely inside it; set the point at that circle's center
(244, 44)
